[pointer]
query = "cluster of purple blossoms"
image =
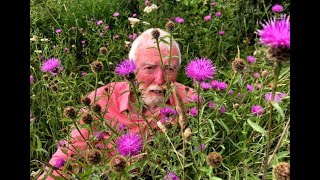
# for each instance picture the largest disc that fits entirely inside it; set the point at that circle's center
(251, 59)
(167, 112)
(171, 176)
(218, 14)
(117, 36)
(230, 92)
(200, 69)
(59, 163)
(130, 144)
(126, 68)
(218, 85)
(205, 85)
(256, 75)
(106, 27)
(257, 110)
(193, 111)
(213, 4)
(52, 65)
(277, 97)
(179, 20)
(134, 15)
(132, 36)
(277, 8)
(276, 32)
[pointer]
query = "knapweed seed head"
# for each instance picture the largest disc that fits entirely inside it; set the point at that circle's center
(54, 88)
(85, 100)
(94, 156)
(281, 171)
(170, 26)
(155, 33)
(130, 144)
(200, 69)
(118, 163)
(96, 66)
(214, 159)
(86, 117)
(238, 65)
(70, 112)
(96, 108)
(171, 176)
(187, 134)
(103, 50)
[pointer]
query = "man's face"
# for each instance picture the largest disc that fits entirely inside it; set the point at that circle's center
(151, 76)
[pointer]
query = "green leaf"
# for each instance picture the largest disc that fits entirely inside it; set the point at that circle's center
(225, 126)
(256, 127)
(101, 83)
(278, 108)
(216, 178)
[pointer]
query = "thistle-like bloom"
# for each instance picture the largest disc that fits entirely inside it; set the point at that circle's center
(126, 68)
(200, 69)
(256, 75)
(212, 105)
(179, 20)
(276, 32)
(214, 84)
(167, 111)
(52, 65)
(222, 86)
(230, 92)
(221, 33)
(31, 79)
(193, 111)
(116, 14)
(250, 87)
(205, 85)
(222, 110)
(99, 22)
(129, 144)
(277, 8)
(251, 59)
(218, 14)
(257, 110)
(59, 163)
(58, 31)
(98, 134)
(171, 176)
(213, 4)
(208, 17)
(277, 97)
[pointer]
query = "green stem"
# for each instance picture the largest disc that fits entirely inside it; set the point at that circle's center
(275, 81)
(198, 106)
(95, 88)
(75, 124)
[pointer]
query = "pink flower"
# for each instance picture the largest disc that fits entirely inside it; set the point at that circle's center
(116, 14)
(257, 110)
(179, 20)
(251, 59)
(130, 144)
(277, 8)
(221, 33)
(208, 17)
(250, 87)
(58, 31)
(218, 14)
(106, 27)
(193, 111)
(99, 22)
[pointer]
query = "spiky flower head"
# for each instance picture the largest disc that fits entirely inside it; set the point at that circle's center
(85, 100)
(277, 8)
(170, 26)
(281, 171)
(96, 66)
(31, 79)
(193, 111)
(87, 117)
(155, 33)
(238, 65)
(96, 108)
(126, 68)
(52, 66)
(214, 159)
(59, 163)
(70, 112)
(103, 50)
(54, 88)
(129, 144)
(94, 156)
(277, 96)
(171, 176)
(118, 163)
(200, 69)
(257, 110)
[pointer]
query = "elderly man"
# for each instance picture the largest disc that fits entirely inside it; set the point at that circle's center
(116, 99)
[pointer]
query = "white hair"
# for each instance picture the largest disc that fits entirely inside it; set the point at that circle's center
(137, 41)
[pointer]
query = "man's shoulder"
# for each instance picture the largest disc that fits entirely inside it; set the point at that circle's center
(110, 87)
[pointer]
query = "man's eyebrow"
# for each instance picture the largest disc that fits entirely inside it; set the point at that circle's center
(147, 63)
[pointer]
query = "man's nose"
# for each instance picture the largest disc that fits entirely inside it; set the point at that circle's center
(159, 77)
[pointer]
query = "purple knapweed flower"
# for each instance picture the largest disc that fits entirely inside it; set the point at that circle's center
(98, 134)
(218, 14)
(240, 96)
(214, 84)
(130, 144)
(251, 59)
(258, 86)
(121, 126)
(213, 4)
(222, 86)
(117, 36)
(277, 97)
(59, 163)
(179, 20)
(277, 8)
(230, 92)
(256, 75)
(52, 65)
(200, 69)
(221, 33)
(167, 111)
(203, 147)
(250, 87)
(257, 110)
(62, 143)
(106, 27)
(58, 31)
(207, 17)
(134, 15)
(31, 79)
(171, 176)
(276, 32)
(116, 14)
(205, 85)
(147, 3)
(126, 67)
(194, 98)
(222, 110)
(212, 105)
(193, 111)
(83, 73)
(99, 22)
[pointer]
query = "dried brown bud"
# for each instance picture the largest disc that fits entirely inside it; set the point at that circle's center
(179, 107)
(70, 112)
(94, 156)
(155, 33)
(118, 163)
(278, 54)
(238, 65)
(103, 50)
(264, 73)
(96, 108)
(187, 134)
(281, 171)
(54, 88)
(96, 66)
(236, 106)
(170, 26)
(214, 159)
(72, 75)
(45, 77)
(87, 117)
(86, 100)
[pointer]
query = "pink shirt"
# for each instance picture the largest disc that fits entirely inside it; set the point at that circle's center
(114, 97)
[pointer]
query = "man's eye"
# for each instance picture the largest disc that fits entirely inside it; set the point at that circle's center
(169, 69)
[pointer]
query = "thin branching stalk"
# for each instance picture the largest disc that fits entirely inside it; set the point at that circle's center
(76, 126)
(277, 70)
(95, 88)
(198, 105)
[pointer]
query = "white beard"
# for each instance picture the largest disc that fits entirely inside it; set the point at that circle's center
(152, 101)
